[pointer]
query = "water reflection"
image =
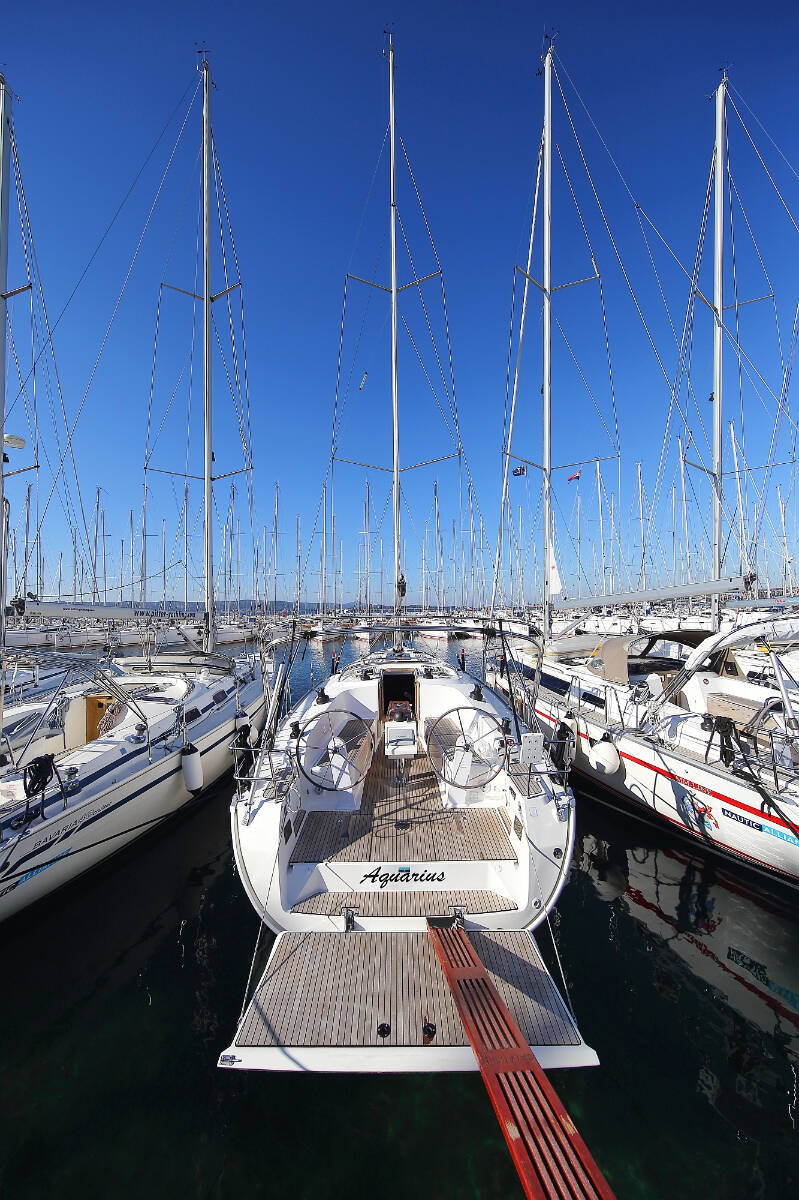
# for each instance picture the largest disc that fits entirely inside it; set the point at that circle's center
(738, 937)
(722, 955)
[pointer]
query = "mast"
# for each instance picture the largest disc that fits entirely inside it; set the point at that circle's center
(579, 546)
(612, 529)
(424, 571)
(95, 588)
(143, 582)
(744, 556)
(438, 548)
(274, 565)
(399, 581)
(520, 564)
(299, 565)
(471, 549)
(546, 461)
(5, 184)
(27, 538)
(105, 580)
(674, 534)
(684, 514)
(785, 558)
(333, 559)
(263, 570)
(238, 568)
(368, 552)
(718, 336)
(641, 525)
(324, 549)
(185, 550)
(209, 639)
(601, 529)
(132, 565)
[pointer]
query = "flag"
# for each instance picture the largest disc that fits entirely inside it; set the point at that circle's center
(576, 475)
(522, 470)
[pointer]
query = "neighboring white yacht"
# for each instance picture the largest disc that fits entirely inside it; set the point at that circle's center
(110, 756)
(688, 738)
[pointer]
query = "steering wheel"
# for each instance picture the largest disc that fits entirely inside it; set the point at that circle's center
(466, 747)
(328, 746)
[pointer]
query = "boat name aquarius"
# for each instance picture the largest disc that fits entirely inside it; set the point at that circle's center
(403, 875)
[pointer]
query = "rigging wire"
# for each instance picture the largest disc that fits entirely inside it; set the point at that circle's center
(117, 213)
(114, 313)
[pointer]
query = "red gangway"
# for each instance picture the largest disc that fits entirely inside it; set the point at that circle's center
(550, 1156)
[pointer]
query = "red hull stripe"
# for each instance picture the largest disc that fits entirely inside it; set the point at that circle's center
(755, 812)
(715, 844)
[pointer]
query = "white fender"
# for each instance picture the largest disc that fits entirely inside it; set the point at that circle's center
(192, 764)
(241, 719)
(604, 758)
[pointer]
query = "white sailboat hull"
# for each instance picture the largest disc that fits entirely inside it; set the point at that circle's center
(708, 803)
(111, 812)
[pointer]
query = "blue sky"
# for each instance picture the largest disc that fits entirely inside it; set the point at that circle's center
(300, 115)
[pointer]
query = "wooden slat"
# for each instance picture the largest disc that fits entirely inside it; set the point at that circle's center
(551, 1158)
(524, 781)
(404, 903)
(432, 834)
(332, 989)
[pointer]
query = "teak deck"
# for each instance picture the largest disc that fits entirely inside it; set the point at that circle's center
(336, 989)
(403, 823)
(404, 903)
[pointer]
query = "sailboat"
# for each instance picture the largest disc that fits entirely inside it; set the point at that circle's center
(684, 736)
(399, 798)
(112, 753)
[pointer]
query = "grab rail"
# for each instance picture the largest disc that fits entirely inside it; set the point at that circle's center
(40, 722)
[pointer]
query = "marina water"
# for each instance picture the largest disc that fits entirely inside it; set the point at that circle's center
(684, 975)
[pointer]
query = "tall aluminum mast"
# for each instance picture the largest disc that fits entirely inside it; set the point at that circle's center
(209, 640)
(641, 525)
(5, 185)
(299, 566)
(546, 461)
(744, 553)
(399, 580)
(368, 552)
(274, 562)
(718, 336)
(323, 580)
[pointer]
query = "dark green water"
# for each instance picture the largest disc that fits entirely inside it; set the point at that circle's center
(117, 1000)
